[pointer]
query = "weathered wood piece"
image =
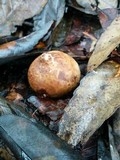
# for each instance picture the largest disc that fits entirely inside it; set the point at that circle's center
(94, 101)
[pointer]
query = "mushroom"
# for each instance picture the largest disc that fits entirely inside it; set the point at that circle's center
(54, 74)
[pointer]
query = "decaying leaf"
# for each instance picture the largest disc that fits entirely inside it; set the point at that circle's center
(52, 108)
(42, 28)
(13, 13)
(16, 49)
(94, 101)
(106, 44)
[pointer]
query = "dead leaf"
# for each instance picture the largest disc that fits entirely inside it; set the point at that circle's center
(108, 41)
(13, 13)
(44, 23)
(52, 108)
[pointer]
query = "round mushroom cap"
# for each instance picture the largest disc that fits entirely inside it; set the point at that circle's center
(54, 73)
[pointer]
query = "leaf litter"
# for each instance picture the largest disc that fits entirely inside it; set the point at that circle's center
(78, 40)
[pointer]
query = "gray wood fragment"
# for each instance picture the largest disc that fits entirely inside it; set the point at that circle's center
(94, 101)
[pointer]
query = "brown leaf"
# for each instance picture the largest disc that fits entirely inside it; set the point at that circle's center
(53, 108)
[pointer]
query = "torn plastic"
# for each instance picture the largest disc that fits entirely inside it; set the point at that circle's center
(51, 14)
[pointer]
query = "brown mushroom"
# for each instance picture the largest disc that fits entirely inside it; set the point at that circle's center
(54, 74)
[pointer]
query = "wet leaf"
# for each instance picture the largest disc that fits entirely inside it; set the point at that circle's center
(82, 36)
(52, 108)
(94, 101)
(76, 51)
(15, 49)
(106, 44)
(75, 31)
(60, 32)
